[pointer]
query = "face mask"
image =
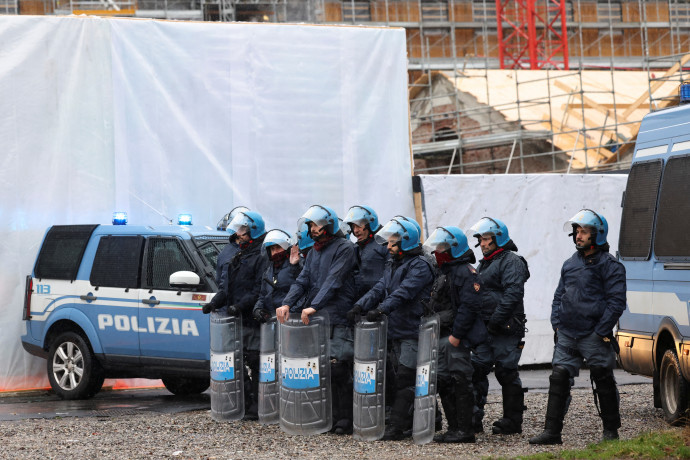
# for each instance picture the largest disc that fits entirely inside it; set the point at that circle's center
(442, 258)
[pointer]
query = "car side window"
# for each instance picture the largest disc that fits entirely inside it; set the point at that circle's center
(165, 256)
(672, 238)
(118, 262)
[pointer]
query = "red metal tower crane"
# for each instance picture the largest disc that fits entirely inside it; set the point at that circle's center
(532, 34)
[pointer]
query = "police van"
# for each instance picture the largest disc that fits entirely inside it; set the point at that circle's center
(119, 301)
(654, 331)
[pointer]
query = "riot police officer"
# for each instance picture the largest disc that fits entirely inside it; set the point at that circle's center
(371, 257)
(406, 282)
(502, 275)
(456, 298)
(326, 283)
(282, 271)
(583, 325)
(229, 250)
(243, 286)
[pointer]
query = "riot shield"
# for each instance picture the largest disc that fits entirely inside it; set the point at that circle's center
(369, 408)
(227, 367)
(305, 375)
(268, 381)
(424, 422)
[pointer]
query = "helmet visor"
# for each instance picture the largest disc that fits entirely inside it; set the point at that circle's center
(392, 231)
(439, 241)
(317, 214)
(239, 221)
(359, 216)
(278, 237)
(485, 226)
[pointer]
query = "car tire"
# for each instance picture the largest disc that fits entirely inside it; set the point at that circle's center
(673, 389)
(182, 386)
(73, 371)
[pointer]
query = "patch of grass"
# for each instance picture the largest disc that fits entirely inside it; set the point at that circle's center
(658, 444)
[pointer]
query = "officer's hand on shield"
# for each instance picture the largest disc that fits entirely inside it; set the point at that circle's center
(232, 310)
(374, 315)
(262, 315)
(353, 314)
(207, 308)
(306, 313)
(453, 341)
(282, 313)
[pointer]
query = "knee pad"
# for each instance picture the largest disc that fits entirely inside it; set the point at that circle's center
(461, 380)
(601, 375)
(560, 375)
(480, 371)
(506, 376)
(405, 378)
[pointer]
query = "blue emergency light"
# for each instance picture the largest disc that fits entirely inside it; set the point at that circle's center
(184, 219)
(119, 218)
(684, 92)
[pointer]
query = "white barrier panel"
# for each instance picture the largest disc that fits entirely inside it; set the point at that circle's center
(160, 118)
(534, 207)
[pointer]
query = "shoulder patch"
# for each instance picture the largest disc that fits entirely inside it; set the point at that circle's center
(472, 269)
(476, 287)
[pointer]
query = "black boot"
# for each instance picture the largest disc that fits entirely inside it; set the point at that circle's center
(342, 397)
(559, 394)
(513, 407)
(480, 382)
(464, 407)
(400, 425)
(606, 394)
(446, 391)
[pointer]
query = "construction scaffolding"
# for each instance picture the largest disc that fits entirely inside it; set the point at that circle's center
(578, 75)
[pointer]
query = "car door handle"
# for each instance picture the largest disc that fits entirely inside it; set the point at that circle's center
(88, 297)
(676, 266)
(151, 301)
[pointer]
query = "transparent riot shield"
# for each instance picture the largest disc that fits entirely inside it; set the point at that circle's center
(227, 367)
(424, 422)
(269, 390)
(368, 402)
(305, 375)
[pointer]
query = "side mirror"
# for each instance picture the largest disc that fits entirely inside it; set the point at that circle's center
(185, 281)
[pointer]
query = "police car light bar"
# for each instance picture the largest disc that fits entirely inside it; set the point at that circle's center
(184, 219)
(119, 218)
(684, 92)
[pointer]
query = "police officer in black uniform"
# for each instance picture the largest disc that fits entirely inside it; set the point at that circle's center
(405, 284)
(371, 257)
(589, 299)
(326, 283)
(502, 275)
(456, 298)
(229, 250)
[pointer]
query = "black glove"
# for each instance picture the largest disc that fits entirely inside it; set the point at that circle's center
(232, 310)
(207, 308)
(374, 315)
(354, 313)
(494, 328)
(261, 315)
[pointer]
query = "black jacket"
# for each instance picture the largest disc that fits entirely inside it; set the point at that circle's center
(372, 258)
(400, 294)
(275, 285)
(591, 295)
(326, 281)
(224, 259)
(502, 279)
(244, 279)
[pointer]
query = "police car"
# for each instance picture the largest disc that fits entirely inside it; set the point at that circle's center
(119, 301)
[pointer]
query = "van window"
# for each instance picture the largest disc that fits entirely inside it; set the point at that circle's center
(62, 251)
(117, 262)
(637, 220)
(164, 256)
(672, 237)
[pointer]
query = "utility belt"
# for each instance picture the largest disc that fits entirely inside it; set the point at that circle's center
(514, 325)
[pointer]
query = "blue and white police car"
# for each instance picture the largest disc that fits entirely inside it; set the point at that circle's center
(107, 301)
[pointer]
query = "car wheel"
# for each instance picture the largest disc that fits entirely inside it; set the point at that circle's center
(673, 388)
(73, 371)
(182, 386)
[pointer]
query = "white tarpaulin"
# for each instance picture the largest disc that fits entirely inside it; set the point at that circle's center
(159, 118)
(534, 207)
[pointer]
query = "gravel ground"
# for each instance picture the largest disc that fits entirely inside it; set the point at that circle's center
(195, 435)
